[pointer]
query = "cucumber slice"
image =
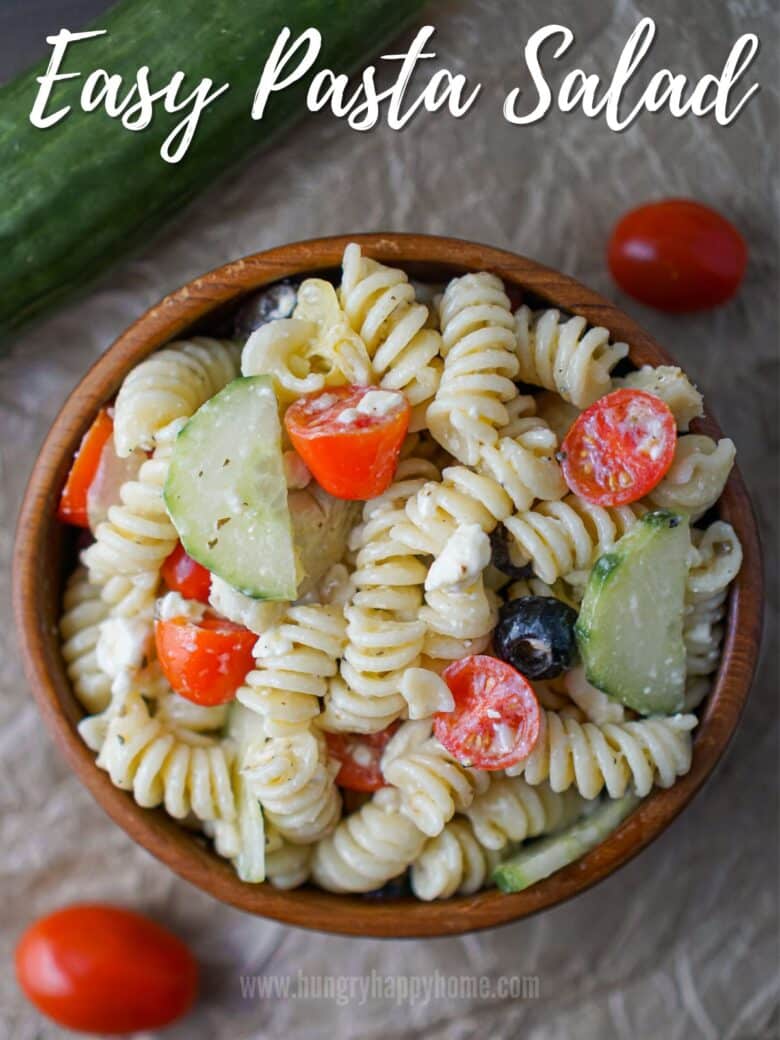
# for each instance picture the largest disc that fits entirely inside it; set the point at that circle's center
(226, 491)
(629, 631)
(245, 728)
(541, 858)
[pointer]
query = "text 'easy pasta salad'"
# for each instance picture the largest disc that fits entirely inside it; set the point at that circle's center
(400, 586)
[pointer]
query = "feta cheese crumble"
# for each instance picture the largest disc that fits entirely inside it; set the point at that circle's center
(123, 644)
(461, 561)
(376, 403)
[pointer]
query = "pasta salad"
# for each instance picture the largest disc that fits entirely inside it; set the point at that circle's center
(399, 587)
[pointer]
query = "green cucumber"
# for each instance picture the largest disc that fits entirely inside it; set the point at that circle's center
(84, 192)
(226, 491)
(629, 631)
(245, 728)
(538, 859)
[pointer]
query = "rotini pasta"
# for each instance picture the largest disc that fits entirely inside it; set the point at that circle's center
(478, 344)
(184, 771)
(511, 810)
(595, 704)
(716, 559)
(432, 784)
(171, 384)
(294, 659)
(697, 476)
(83, 611)
(672, 386)
(380, 305)
(559, 354)
(453, 862)
(384, 633)
(368, 848)
(293, 780)
(612, 756)
(564, 539)
(138, 534)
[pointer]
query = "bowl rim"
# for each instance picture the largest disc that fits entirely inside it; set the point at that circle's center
(34, 587)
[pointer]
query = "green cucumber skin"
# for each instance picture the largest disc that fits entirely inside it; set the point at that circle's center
(549, 855)
(84, 192)
(607, 569)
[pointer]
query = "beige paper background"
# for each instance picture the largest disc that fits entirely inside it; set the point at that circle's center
(680, 945)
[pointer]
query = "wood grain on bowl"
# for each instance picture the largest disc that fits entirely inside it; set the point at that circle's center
(41, 559)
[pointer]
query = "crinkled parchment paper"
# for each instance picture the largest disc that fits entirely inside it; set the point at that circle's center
(681, 944)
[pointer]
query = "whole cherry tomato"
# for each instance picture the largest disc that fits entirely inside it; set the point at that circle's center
(205, 661)
(102, 969)
(184, 575)
(350, 437)
(677, 255)
(360, 755)
(73, 501)
(496, 720)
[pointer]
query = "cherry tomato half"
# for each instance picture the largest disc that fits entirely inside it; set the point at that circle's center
(350, 437)
(73, 501)
(496, 719)
(183, 574)
(102, 969)
(619, 449)
(677, 255)
(205, 661)
(360, 755)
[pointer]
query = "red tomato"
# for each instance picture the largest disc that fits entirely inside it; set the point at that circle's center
(205, 661)
(360, 755)
(183, 574)
(496, 719)
(351, 454)
(677, 255)
(73, 501)
(619, 449)
(101, 969)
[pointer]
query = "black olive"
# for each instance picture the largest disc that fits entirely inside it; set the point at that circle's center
(276, 301)
(395, 889)
(501, 555)
(535, 634)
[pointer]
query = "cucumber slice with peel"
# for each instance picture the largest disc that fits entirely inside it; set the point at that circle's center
(245, 728)
(226, 491)
(629, 630)
(541, 858)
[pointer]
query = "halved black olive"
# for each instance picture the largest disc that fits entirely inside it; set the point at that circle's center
(535, 634)
(275, 301)
(501, 555)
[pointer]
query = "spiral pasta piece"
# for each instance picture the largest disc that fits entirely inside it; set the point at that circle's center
(381, 306)
(368, 848)
(83, 612)
(170, 384)
(293, 780)
(433, 786)
(478, 344)
(384, 632)
(564, 539)
(454, 862)
(286, 865)
(559, 354)
(716, 558)
(336, 349)
(594, 703)
(698, 474)
(160, 764)
(614, 755)
(294, 660)
(138, 534)
(511, 810)
(670, 384)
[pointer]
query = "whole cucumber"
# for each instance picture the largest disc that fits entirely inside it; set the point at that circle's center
(81, 194)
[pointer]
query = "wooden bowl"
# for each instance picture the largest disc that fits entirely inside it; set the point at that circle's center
(45, 552)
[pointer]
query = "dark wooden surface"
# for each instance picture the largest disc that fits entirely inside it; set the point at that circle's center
(37, 589)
